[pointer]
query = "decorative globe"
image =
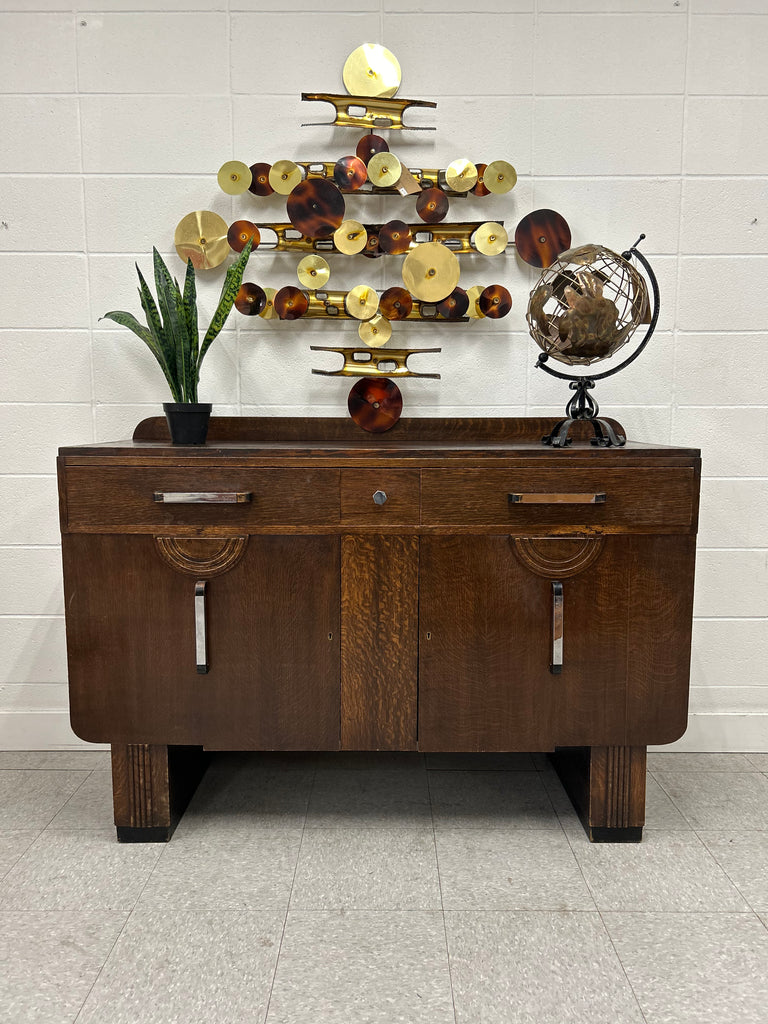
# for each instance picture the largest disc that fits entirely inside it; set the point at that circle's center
(587, 305)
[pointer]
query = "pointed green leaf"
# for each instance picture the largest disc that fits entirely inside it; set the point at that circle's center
(232, 283)
(130, 321)
(154, 322)
(170, 303)
(190, 313)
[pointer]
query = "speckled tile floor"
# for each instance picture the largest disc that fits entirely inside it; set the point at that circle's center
(390, 889)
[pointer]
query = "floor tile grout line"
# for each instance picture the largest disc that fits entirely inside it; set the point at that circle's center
(87, 774)
(724, 871)
(440, 887)
(100, 971)
(621, 965)
(5, 874)
(290, 896)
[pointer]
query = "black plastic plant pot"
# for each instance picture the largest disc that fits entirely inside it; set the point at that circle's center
(187, 421)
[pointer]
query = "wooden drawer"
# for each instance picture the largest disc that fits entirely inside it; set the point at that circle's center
(625, 498)
(108, 498)
(397, 500)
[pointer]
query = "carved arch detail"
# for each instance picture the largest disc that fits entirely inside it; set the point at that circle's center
(557, 557)
(202, 557)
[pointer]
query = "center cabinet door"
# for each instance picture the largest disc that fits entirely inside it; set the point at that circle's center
(486, 631)
(271, 614)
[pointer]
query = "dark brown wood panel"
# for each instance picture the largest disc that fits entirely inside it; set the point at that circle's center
(273, 646)
(379, 648)
(111, 498)
(401, 487)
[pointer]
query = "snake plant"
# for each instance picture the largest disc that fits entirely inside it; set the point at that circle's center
(171, 331)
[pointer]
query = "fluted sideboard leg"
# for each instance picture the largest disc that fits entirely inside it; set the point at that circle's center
(151, 786)
(607, 787)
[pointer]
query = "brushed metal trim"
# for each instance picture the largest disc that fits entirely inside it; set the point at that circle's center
(203, 497)
(201, 640)
(556, 666)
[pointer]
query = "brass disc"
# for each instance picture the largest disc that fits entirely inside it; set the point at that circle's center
(495, 301)
(395, 237)
(461, 175)
(384, 169)
(396, 303)
(431, 271)
(350, 237)
(234, 177)
(202, 237)
(290, 303)
(240, 233)
(375, 332)
(490, 238)
(432, 205)
(269, 312)
(313, 271)
(370, 145)
(316, 207)
(473, 309)
(362, 302)
(284, 176)
(371, 70)
(480, 189)
(250, 299)
(499, 177)
(350, 173)
(260, 180)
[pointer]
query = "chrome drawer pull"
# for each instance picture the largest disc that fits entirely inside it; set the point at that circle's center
(203, 497)
(556, 667)
(201, 645)
(558, 499)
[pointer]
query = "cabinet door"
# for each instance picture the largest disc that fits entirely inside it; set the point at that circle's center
(486, 642)
(272, 639)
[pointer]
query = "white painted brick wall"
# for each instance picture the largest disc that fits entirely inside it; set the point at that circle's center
(625, 115)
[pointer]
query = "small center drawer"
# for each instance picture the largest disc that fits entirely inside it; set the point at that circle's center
(380, 496)
(140, 497)
(553, 497)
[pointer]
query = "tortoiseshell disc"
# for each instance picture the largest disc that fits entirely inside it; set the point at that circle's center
(455, 305)
(315, 207)
(541, 236)
(260, 180)
(395, 237)
(432, 205)
(396, 303)
(372, 246)
(250, 299)
(370, 145)
(495, 301)
(290, 303)
(350, 173)
(375, 404)
(240, 231)
(479, 189)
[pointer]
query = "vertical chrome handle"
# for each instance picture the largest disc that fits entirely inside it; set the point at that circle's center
(201, 645)
(556, 667)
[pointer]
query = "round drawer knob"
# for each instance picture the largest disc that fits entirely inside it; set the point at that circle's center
(379, 497)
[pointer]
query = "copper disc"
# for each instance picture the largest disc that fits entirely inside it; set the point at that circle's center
(431, 271)
(370, 145)
(375, 332)
(375, 404)
(490, 238)
(350, 173)
(362, 302)
(495, 301)
(432, 205)
(473, 309)
(269, 312)
(395, 303)
(384, 170)
(313, 271)
(479, 189)
(284, 176)
(290, 303)
(234, 177)
(202, 237)
(350, 237)
(454, 305)
(461, 175)
(371, 70)
(250, 299)
(260, 180)
(499, 177)
(372, 247)
(541, 237)
(240, 233)
(395, 237)
(316, 208)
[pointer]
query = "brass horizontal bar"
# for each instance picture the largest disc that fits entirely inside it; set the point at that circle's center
(456, 236)
(368, 111)
(370, 366)
(428, 177)
(333, 304)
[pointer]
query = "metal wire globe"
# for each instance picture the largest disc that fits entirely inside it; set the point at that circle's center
(587, 305)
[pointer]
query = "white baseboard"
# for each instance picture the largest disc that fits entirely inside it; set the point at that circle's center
(49, 729)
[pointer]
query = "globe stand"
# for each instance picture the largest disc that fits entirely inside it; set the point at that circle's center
(582, 406)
